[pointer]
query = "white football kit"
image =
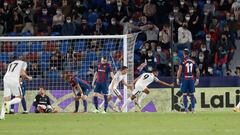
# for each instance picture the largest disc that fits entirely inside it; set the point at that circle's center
(142, 83)
(118, 77)
(11, 78)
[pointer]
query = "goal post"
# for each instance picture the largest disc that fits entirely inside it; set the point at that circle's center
(50, 57)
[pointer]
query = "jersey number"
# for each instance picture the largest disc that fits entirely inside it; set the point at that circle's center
(189, 67)
(145, 76)
(12, 67)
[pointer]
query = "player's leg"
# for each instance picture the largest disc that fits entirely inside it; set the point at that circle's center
(6, 98)
(97, 91)
(84, 99)
(76, 104)
(135, 92)
(191, 94)
(11, 107)
(185, 98)
(24, 105)
(144, 94)
(105, 96)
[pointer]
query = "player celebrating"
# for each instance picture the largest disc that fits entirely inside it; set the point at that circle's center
(80, 89)
(12, 85)
(185, 74)
(23, 101)
(141, 84)
(118, 77)
(101, 79)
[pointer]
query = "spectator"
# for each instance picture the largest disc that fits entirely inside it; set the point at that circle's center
(178, 18)
(235, 9)
(66, 8)
(84, 28)
(163, 58)
(237, 71)
(69, 27)
(184, 37)
(98, 28)
(35, 70)
(56, 61)
(44, 19)
(165, 37)
(17, 22)
(78, 10)
(203, 64)
(128, 26)
(150, 10)
(151, 31)
(58, 21)
(183, 8)
(221, 60)
(151, 60)
(114, 28)
(194, 23)
(209, 7)
(50, 7)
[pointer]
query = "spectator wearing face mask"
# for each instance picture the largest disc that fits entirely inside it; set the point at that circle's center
(28, 20)
(233, 27)
(236, 9)
(114, 28)
(84, 28)
(165, 37)
(163, 58)
(128, 25)
(194, 23)
(183, 8)
(151, 60)
(66, 8)
(221, 60)
(209, 7)
(178, 18)
(78, 10)
(184, 37)
(58, 21)
(69, 27)
(202, 63)
(151, 32)
(150, 10)
(225, 5)
(50, 7)
(44, 19)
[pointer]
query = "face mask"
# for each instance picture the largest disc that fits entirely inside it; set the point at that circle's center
(208, 39)
(49, 4)
(68, 21)
(182, 2)
(44, 12)
(150, 54)
(27, 11)
(231, 18)
(131, 21)
(143, 50)
(175, 11)
(201, 58)
(159, 50)
(174, 55)
(5, 4)
(204, 49)
(19, 2)
(78, 4)
(113, 22)
(58, 12)
(187, 18)
(208, 2)
(205, 13)
(195, 4)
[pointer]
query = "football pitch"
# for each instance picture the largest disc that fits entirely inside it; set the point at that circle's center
(200, 123)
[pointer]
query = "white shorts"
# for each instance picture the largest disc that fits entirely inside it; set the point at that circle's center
(11, 87)
(138, 89)
(114, 92)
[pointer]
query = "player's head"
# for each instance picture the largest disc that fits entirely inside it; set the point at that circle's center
(155, 72)
(68, 78)
(104, 60)
(42, 90)
(124, 70)
(185, 53)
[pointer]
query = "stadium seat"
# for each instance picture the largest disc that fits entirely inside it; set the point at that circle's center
(91, 56)
(31, 57)
(4, 57)
(22, 47)
(44, 66)
(92, 18)
(36, 47)
(45, 56)
(50, 47)
(80, 46)
(63, 47)
(109, 45)
(26, 34)
(8, 47)
(52, 74)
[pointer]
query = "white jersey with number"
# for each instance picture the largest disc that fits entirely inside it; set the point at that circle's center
(145, 79)
(14, 69)
(118, 77)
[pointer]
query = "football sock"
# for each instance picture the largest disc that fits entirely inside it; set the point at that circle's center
(141, 98)
(14, 101)
(85, 105)
(3, 109)
(185, 102)
(192, 98)
(105, 102)
(128, 101)
(95, 101)
(76, 105)
(24, 104)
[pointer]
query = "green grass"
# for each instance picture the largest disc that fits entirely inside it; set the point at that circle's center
(201, 123)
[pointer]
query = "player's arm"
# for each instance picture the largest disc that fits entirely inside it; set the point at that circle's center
(179, 74)
(112, 75)
(24, 75)
(197, 76)
(126, 84)
(78, 88)
(163, 83)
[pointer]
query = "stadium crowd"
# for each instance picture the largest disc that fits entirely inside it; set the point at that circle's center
(208, 27)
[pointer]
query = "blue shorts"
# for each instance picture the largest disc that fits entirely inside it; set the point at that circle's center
(187, 86)
(86, 91)
(101, 88)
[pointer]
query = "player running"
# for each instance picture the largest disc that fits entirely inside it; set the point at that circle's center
(81, 90)
(101, 79)
(185, 75)
(23, 101)
(141, 84)
(12, 85)
(113, 91)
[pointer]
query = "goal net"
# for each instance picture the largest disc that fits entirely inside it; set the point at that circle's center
(49, 58)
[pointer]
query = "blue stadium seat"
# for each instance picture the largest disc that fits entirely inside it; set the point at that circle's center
(92, 56)
(44, 66)
(45, 57)
(26, 34)
(22, 47)
(55, 34)
(92, 18)
(109, 45)
(138, 44)
(4, 57)
(80, 45)
(36, 47)
(52, 74)
(64, 46)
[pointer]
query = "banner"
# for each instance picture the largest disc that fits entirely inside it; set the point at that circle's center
(210, 99)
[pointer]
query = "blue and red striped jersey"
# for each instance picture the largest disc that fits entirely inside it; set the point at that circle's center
(188, 69)
(103, 71)
(83, 84)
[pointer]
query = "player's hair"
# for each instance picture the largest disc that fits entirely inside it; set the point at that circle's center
(42, 87)
(186, 52)
(103, 57)
(123, 68)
